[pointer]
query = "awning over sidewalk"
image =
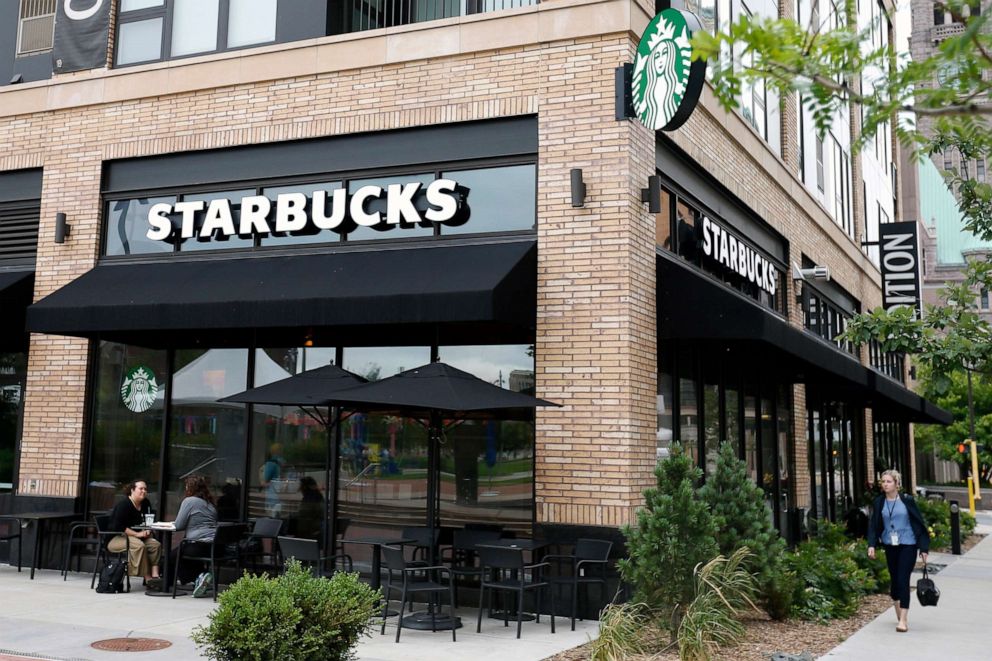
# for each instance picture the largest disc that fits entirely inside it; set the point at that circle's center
(694, 306)
(452, 284)
(16, 292)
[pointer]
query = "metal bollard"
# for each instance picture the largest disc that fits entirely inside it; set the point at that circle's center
(955, 528)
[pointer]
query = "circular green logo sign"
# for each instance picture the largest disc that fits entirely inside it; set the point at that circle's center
(666, 82)
(139, 389)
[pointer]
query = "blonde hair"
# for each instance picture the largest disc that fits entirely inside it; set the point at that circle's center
(894, 474)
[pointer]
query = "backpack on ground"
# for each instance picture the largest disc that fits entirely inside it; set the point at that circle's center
(112, 577)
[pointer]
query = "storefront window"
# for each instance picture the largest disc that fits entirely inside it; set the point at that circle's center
(206, 437)
(769, 471)
(287, 475)
(733, 421)
(128, 418)
(665, 402)
(307, 189)
(13, 376)
(783, 421)
(685, 230)
(663, 222)
(751, 435)
(493, 210)
(816, 463)
(487, 464)
(127, 227)
(217, 242)
(688, 431)
(711, 416)
(384, 231)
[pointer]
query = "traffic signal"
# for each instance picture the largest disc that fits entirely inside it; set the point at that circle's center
(962, 448)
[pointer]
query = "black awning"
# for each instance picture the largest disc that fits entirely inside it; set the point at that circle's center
(694, 306)
(457, 284)
(16, 292)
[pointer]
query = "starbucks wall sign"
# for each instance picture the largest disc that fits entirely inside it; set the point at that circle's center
(139, 389)
(666, 81)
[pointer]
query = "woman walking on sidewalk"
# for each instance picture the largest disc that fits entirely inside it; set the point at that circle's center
(897, 524)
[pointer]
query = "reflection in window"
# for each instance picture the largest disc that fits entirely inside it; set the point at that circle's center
(711, 417)
(287, 476)
(733, 402)
(128, 417)
(666, 395)
(685, 228)
(206, 437)
(768, 455)
(13, 377)
(382, 230)
(487, 465)
(663, 222)
(688, 432)
(751, 436)
(492, 208)
(307, 189)
(127, 227)
(784, 433)
(217, 241)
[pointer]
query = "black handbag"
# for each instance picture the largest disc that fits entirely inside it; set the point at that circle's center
(926, 590)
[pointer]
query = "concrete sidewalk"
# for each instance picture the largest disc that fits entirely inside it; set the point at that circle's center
(955, 629)
(51, 619)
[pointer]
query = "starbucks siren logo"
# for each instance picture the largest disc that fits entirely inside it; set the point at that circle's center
(666, 82)
(139, 389)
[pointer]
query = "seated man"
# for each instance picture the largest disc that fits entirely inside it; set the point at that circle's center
(143, 551)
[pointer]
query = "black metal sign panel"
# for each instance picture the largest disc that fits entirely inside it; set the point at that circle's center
(82, 30)
(900, 262)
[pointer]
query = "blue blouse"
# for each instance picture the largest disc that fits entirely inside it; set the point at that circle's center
(895, 517)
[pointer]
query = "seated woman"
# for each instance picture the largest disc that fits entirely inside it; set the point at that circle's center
(198, 518)
(143, 551)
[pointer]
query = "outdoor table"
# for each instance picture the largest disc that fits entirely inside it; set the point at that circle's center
(41, 520)
(532, 545)
(167, 570)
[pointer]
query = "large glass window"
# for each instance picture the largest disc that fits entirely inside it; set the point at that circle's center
(273, 192)
(139, 41)
(206, 437)
(378, 205)
(194, 26)
(493, 210)
(251, 22)
(665, 405)
(13, 377)
(127, 227)
(129, 416)
(711, 416)
(217, 241)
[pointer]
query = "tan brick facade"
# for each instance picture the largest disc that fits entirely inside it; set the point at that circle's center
(596, 349)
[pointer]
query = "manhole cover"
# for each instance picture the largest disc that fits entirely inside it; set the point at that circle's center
(131, 644)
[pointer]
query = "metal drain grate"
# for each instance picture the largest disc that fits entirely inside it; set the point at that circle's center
(131, 644)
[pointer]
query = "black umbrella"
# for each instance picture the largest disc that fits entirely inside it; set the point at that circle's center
(435, 391)
(313, 388)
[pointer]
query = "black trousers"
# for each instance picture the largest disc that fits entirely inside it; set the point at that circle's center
(901, 560)
(189, 569)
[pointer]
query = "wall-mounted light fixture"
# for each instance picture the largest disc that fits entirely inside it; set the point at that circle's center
(578, 188)
(821, 273)
(61, 228)
(308, 339)
(652, 194)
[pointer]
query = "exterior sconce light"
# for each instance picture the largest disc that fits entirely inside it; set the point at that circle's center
(652, 194)
(578, 188)
(821, 273)
(61, 228)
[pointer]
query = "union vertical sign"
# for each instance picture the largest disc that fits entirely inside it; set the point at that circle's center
(900, 263)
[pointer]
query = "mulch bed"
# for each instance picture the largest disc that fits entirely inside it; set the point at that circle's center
(765, 636)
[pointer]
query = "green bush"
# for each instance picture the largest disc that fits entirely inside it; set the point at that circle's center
(294, 617)
(937, 514)
(623, 632)
(738, 506)
(675, 532)
(833, 573)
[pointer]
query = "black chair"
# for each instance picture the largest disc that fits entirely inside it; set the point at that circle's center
(463, 557)
(414, 580)
(307, 552)
(103, 554)
(82, 535)
(10, 529)
(588, 563)
(253, 543)
(224, 548)
(423, 542)
(504, 570)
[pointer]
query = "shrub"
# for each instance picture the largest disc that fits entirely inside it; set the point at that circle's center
(675, 532)
(937, 514)
(724, 588)
(623, 629)
(294, 617)
(738, 506)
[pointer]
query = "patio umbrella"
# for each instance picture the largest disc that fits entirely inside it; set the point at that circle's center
(436, 391)
(310, 390)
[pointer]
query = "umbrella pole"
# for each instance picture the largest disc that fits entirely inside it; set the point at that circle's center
(331, 481)
(433, 479)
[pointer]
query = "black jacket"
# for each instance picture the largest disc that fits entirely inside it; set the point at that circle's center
(916, 522)
(124, 515)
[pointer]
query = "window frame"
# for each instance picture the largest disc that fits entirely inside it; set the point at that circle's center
(18, 52)
(167, 13)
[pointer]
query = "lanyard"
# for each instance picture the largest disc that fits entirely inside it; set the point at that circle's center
(890, 511)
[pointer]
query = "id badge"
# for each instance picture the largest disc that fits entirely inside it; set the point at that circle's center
(894, 538)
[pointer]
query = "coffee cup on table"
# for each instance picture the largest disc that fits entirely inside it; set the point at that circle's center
(149, 519)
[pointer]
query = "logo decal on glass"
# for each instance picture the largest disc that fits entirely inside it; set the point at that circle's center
(666, 82)
(139, 389)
